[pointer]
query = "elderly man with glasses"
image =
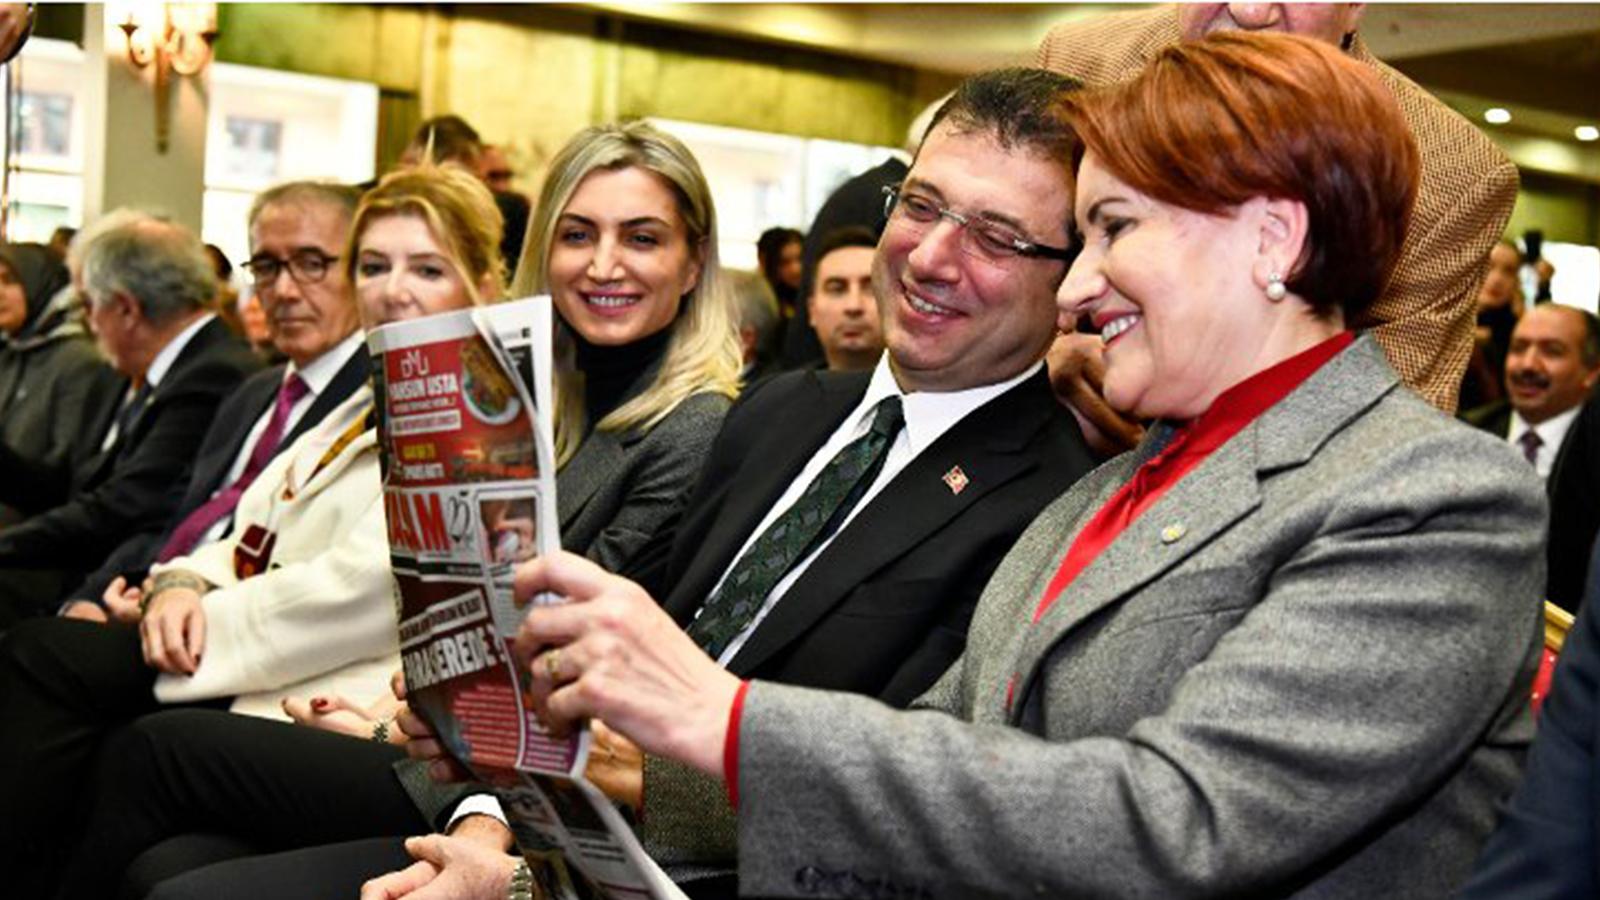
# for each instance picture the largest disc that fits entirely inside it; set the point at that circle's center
(297, 231)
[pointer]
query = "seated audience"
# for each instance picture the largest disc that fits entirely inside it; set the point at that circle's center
(49, 372)
(297, 233)
(1551, 367)
(1544, 845)
(297, 599)
(880, 606)
(626, 215)
(1282, 648)
(841, 306)
(148, 284)
(857, 612)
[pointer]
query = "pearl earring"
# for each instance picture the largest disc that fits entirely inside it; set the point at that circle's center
(1275, 289)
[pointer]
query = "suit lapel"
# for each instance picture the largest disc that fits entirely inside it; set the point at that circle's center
(988, 446)
(1223, 489)
(246, 410)
(773, 460)
(597, 461)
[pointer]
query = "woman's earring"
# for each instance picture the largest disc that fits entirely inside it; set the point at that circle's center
(1275, 289)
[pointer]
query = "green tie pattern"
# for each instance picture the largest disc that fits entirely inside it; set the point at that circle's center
(811, 520)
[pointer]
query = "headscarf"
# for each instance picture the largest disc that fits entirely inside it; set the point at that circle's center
(41, 275)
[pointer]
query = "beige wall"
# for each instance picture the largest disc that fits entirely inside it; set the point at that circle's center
(1565, 209)
(529, 76)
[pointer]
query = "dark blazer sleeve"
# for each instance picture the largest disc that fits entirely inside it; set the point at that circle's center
(1545, 844)
(139, 491)
(238, 414)
(1574, 492)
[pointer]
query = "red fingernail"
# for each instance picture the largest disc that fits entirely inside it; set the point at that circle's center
(318, 703)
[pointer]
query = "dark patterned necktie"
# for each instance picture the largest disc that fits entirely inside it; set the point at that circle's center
(1531, 442)
(811, 520)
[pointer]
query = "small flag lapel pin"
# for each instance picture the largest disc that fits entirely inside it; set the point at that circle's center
(956, 480)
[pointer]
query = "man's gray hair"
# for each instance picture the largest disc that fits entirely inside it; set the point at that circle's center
(160, 264)
(113, 219)
(756, 307)
(342, 197)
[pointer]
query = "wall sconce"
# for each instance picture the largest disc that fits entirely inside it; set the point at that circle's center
(170, 38)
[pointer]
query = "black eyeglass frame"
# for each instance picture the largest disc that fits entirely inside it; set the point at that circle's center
(1019, 246)
(264, 270)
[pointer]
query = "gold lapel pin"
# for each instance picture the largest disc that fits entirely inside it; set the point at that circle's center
(1173, 533)
(956, 480)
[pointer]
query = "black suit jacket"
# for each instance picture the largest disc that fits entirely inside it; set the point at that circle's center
(883, 610)
(218, 449)
(136, 483)
(1574, 491)
(1544, 845)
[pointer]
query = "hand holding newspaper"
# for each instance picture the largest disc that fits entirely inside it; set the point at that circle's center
(464, 416)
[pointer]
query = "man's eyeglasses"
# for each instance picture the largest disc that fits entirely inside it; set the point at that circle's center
(982, 238)
(305, 267)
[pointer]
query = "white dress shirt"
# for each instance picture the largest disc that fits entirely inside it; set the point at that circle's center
(1551, 431)
(927, 417)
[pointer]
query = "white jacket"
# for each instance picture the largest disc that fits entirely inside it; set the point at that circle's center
(321, 619)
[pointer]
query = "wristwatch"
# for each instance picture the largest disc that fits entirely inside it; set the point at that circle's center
(521, 882)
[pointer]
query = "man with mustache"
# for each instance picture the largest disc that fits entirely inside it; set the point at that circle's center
(1553, 363)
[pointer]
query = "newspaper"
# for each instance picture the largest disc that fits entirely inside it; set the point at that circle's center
(464, 417)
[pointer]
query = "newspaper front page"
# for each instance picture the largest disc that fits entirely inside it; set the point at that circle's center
(464, 403)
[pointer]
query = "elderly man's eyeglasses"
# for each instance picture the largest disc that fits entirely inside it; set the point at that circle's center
(982, 238)
(305, 267)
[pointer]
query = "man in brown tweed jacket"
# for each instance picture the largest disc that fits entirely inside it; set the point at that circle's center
(1425, 317)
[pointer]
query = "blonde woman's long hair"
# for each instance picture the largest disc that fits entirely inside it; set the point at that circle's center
(703, 354)
(457, 208)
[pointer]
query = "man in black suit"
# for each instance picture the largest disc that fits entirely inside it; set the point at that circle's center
(1551, 367)
(147, 283)
(297, 233)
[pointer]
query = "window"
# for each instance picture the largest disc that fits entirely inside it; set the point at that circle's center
(761, 180)
(267, 127)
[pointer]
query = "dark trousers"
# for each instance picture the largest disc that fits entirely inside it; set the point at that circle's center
(183, 790)
(64, 685)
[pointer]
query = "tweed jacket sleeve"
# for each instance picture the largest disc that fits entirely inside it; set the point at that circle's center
(1336, 663)
(1424, 317)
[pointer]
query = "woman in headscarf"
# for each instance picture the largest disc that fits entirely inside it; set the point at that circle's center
(48, 364)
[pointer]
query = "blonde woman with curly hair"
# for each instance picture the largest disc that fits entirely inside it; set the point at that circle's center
(624, 240)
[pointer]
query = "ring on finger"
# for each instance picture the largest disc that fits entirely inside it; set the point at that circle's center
(552, 664)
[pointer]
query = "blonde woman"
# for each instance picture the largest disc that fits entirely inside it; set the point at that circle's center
(624, 240)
